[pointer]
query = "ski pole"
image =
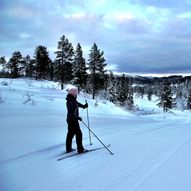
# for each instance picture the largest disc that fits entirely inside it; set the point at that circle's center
(98, 138)
(88, 124)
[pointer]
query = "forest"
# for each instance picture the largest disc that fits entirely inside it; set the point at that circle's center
(90, 76)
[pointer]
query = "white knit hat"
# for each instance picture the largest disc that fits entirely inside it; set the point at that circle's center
(73, 91)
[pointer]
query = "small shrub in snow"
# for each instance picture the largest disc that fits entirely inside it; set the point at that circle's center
(4, 83)
(29, 99)
(96, 103)
(143, 111)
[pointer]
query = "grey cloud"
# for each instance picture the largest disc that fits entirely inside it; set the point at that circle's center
(133, 26)
(152, 56)
(178, 28)
(171, 4)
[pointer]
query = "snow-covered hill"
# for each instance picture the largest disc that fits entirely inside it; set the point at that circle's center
(151, 152)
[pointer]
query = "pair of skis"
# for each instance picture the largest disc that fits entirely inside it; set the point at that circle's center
(72, 154)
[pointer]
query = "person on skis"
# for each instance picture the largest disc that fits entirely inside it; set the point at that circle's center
(72, 120)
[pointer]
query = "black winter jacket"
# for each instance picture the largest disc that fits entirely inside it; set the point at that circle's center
(72, 106)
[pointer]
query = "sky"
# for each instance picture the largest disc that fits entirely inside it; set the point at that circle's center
(137, 36)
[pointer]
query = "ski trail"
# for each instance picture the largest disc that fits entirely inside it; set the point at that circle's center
(160, 163)
(30, 154)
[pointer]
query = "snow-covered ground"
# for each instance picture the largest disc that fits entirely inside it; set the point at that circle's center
(151, 151)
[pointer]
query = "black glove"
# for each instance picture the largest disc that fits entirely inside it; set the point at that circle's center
(86, 105)
(79, 118)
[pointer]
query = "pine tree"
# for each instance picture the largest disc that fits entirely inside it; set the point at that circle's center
(79, 69)
(42, 62)
(166, 100)
(57, 71)
(15, 64)
(51, 70)
(96, 68)
(180, 96)
(3, 64)
(64, 57)
(28, 62)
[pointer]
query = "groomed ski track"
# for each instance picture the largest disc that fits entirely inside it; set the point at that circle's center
(142, 148)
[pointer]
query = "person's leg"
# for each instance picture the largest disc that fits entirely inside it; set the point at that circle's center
(70, 136)
(79, 138)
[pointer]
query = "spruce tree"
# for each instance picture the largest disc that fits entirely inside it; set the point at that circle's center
(42, 62)
(122, 91)
(111, 89)
(189, 101)
(166, 100)
(96, 68)
(149, 93)
(15, 64)
(130, 99)
(64, 57)
(79, 69)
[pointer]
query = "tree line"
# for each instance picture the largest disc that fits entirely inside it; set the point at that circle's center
(91, 76)
(69, 66)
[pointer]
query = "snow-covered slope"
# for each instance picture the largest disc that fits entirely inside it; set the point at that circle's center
(151, 152)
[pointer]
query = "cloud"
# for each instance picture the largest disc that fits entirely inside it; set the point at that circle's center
(24, 35)
(170, 4)
(21, 11)
(185, 15)
(136, 35)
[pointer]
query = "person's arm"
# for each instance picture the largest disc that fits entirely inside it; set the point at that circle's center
(82, 106)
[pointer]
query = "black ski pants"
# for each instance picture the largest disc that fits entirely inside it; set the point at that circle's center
(74, 129)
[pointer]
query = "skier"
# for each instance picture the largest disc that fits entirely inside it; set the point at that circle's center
(72, 120)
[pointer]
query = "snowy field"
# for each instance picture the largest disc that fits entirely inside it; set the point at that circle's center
(151, 149)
